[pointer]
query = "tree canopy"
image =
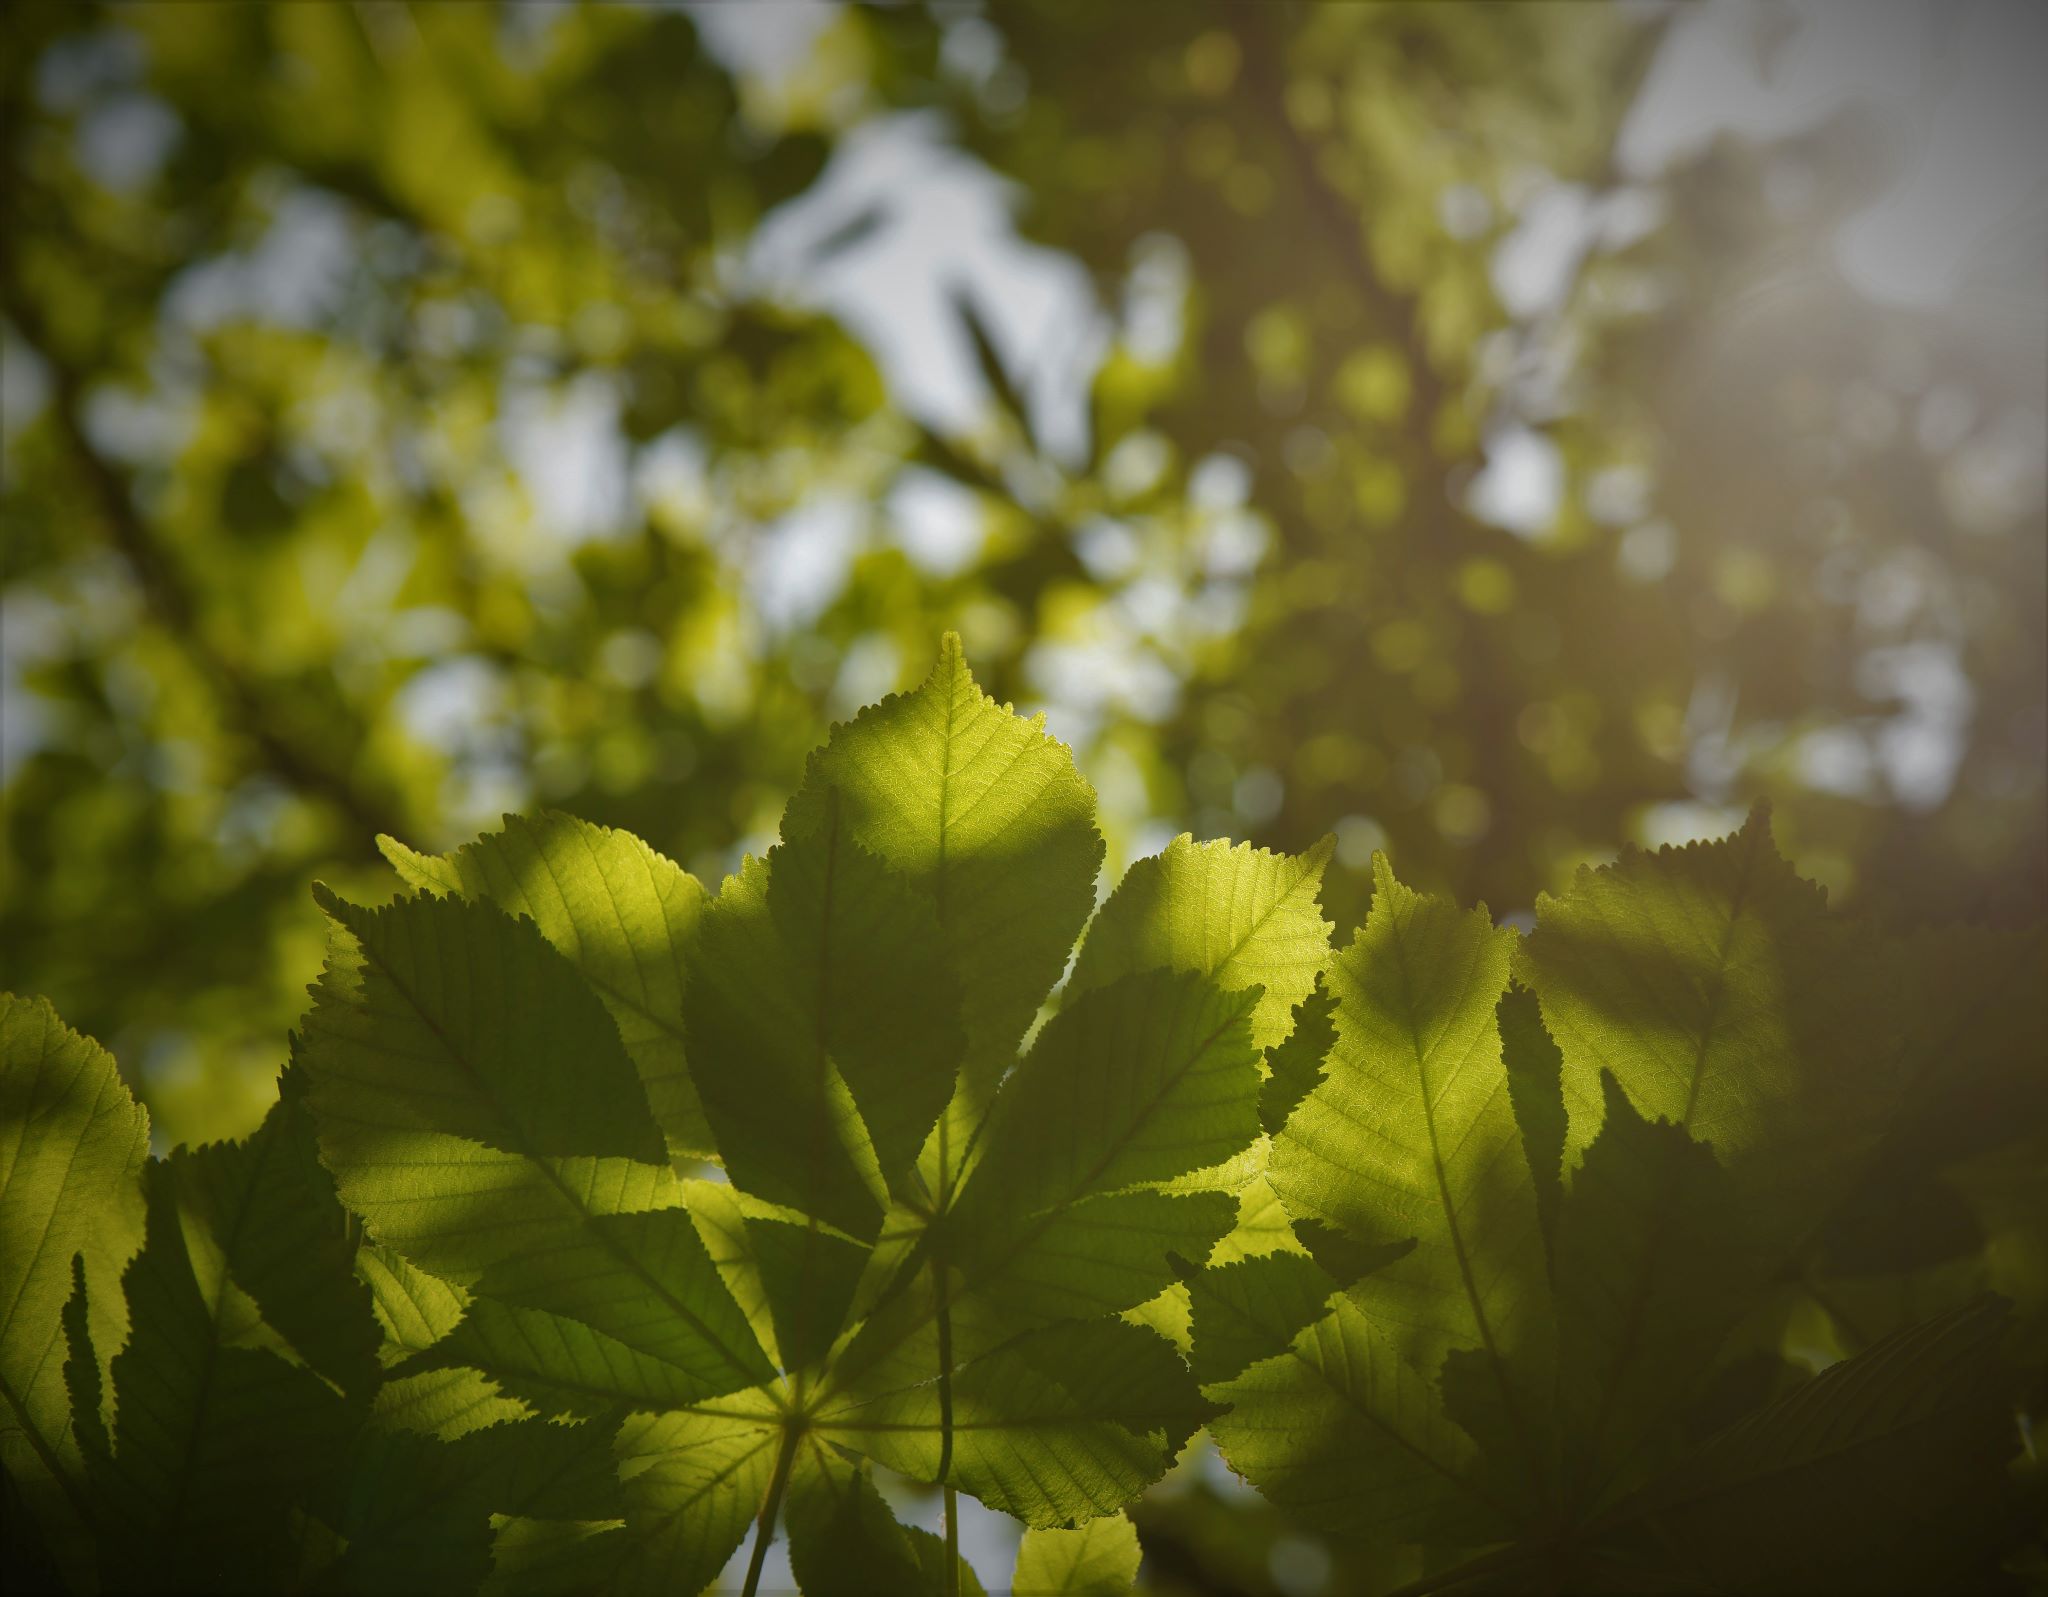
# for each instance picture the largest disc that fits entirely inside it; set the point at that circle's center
(1332, 415)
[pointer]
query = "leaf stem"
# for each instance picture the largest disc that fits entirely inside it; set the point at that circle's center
(771, 1505)
(945, 1377)
(952, 1543)
(945, 1332)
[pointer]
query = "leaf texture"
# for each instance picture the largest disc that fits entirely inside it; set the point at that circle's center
(1412, 1132)
(693, 1483)
(987, 816)
(1459, 1246)
(823, 1024)
(1060, 1424)
(1098, 1559)
(1712, 984)
(72, 1146)
(213, 1442)
(1345, 1431)
(1238, 915)
(619, 911)
(1250, 1310)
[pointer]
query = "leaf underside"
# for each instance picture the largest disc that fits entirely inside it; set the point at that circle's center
(1498, 1258)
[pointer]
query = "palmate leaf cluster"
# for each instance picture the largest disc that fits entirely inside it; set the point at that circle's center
(602, 1221)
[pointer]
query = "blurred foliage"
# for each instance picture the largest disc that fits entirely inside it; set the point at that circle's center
(402, 427)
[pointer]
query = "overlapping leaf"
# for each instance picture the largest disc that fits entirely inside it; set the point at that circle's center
(1411, 1133)
(1447, 1262)
(1240, 916)
(621, 913)
(823, 1021)
(479, 1112)
(984, 814)
(72, 1146)
(1098, 1559)
(247, 1368)
(1597, 1190)
(831, 996)
(1714, 986)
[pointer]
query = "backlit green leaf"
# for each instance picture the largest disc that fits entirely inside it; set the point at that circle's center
(1724, 999)
(1411, 1132)
(988, 817)
(1239, 915)
(72, 1146)
(1098, 1559)
(618, 910)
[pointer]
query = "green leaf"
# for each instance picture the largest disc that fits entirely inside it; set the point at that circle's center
(1135, 1083)
(1411, 1131)
(844, 1542)
(1711, 982)
(214, 1444)
(1343, 1430)
(1060, 1424)
(551, 1557)
(1297, 1062)
(1095, 1256)
(809, 1277)
(72, 1146)
(693, 1483)
(1099, 1256)
(1877, 1474)
(590, 1287)
(631, 1310)
(725, 1217)
(988, 817)
(1342, 1256)
(415, 1310)
(459, 1021)
(470, 1092)
(822, 1025)
(1536, 1089)
(1249, 1310)
(1098, 1559)
(262, 1219)
(1239, 915)
(82, 1377)
(621, 913)
(1148, 1078)
(1653, 1264)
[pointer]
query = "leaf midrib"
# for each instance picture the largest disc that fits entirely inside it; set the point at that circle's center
(1493, 1354)
(1039, 1222)
(1379, 1423)
(1629, 1347)
(211, 1363)
(553, 1177)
